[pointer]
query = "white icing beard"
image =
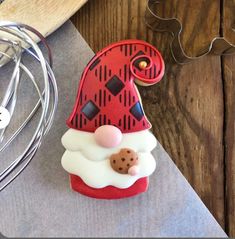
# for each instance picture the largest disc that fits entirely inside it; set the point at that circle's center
(86, 159)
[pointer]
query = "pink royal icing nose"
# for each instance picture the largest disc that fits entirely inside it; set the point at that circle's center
(108, 136)
(134, 170)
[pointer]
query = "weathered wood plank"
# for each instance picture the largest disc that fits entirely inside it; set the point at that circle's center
(229, 97)
(186, 108)
(229, 91)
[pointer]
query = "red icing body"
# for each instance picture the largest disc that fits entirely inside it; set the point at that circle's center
(108, 192)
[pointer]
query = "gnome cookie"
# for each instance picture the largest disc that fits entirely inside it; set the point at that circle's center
(109, 143)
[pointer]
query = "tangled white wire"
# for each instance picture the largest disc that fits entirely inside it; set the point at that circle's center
(19, 40)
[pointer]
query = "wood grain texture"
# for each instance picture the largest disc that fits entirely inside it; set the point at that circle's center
(229, 92)
(45, 16)
(189, 107)
(228, 66)
(228, 24)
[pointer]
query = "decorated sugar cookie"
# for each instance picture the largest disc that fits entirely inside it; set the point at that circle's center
(109, 143)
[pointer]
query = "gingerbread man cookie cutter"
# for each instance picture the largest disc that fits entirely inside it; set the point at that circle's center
(219, 45)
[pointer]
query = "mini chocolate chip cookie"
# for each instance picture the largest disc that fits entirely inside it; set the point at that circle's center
(122, 161)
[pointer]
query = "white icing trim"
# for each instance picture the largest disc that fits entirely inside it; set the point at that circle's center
(75, 140)
(85, 158)
(100, 174)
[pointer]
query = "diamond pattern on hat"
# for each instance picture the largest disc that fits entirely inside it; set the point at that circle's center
(107, 94)
(138, 54)
(90, 110)
(136, 111)
(115, 85)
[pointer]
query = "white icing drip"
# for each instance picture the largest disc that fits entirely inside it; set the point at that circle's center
(89, 161)
(100, 174)
(75, 140)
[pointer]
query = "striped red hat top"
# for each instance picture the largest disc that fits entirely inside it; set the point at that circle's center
(107, 94)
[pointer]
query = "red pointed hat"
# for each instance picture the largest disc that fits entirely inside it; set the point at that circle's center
(107, 94)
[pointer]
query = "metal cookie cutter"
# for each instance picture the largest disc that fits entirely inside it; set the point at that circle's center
(218, 46)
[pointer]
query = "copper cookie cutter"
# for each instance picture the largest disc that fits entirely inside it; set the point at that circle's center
(219, 45)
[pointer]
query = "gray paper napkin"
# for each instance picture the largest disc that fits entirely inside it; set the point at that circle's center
(40, 203)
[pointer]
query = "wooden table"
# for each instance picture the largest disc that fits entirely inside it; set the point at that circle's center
(192, 108)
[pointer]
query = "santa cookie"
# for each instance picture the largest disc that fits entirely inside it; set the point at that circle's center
(108, 146)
